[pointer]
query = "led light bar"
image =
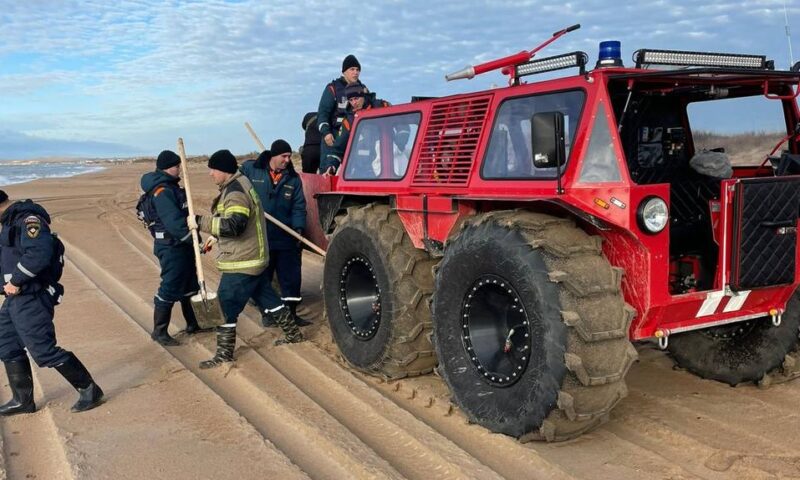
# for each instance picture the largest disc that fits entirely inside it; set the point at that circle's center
(700, 59)
(558, 62)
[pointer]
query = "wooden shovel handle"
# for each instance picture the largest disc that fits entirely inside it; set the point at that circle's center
(294, 234)
(195, 236)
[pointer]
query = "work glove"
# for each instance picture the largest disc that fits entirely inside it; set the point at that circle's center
(208, 245)
(191, 221)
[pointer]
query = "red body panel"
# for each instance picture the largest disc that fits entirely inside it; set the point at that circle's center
(430, 207)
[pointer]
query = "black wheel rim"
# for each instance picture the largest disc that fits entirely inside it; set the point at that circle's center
(496, 331)
(360, 297)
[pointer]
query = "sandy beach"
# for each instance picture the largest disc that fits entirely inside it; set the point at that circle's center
(298, 412)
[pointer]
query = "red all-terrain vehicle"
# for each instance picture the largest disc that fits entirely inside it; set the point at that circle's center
(522, 237)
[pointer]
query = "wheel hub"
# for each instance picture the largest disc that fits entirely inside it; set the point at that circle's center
(496, 330)
(360, 297)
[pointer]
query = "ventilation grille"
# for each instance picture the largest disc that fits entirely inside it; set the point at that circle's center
(450, 142)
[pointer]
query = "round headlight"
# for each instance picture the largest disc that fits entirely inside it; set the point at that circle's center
(652, 215)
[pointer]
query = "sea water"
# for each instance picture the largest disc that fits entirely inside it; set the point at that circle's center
(12, 172)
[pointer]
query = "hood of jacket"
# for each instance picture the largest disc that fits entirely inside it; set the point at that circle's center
(151, 180)
(23, 208)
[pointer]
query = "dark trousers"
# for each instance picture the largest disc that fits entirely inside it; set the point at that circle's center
(286, 263)
(26, 322)
(236, 288)
(178, 274)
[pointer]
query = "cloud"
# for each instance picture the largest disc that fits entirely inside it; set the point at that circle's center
(140, 71)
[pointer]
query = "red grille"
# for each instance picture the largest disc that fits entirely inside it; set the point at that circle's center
(451, 141)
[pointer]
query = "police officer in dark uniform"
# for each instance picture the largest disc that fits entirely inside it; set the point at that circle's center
(281, 193)
(333, 108)
(30, 263)
(172, 245)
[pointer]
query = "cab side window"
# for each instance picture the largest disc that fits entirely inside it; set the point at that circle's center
(509, 152)
(381, 147)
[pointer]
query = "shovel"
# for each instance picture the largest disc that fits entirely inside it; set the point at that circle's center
(205, 304)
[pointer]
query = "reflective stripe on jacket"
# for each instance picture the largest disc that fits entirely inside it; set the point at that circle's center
(237, 220)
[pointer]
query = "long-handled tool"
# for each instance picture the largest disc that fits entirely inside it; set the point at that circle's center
(205, 304)
(278, 223)
(294, 234)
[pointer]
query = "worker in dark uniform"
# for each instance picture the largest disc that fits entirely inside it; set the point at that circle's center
(281, 193)
(237, 220)
(31, 266)
(333, 107)
(309, 152)
(173, 247)
(358, 98)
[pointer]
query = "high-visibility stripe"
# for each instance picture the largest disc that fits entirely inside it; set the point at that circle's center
(241, 264)
(237, 209)
(25, 270)
(215, 224)
(262, 251)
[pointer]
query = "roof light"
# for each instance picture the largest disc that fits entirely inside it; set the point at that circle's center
(558, 62)
(610, 54)
(699, 59)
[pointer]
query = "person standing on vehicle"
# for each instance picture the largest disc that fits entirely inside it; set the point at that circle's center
(237, 220)
(31, 262)
(310, 151)
(172, 245)
(281, 193)
(333, 106)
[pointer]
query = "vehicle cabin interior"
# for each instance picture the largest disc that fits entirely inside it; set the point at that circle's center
(657, 140)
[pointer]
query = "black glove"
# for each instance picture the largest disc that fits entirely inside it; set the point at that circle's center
(299, 232)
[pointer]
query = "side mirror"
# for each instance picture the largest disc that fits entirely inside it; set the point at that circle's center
(547, 139)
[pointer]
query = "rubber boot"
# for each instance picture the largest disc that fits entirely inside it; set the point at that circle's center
(301, 322)
(290, 329)
(226, 343)
(268, 319)
(161, 318)
(20, 379)
(89, 393)
(191, 321)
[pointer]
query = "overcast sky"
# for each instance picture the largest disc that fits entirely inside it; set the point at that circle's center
(128, 77)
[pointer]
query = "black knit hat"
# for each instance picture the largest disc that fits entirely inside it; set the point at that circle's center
(350, 61)
(167, 159)
(355, 90)
(3, 196)
(279, 147)
(263, 159)
(223, 160)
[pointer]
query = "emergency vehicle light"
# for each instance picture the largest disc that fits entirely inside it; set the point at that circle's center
(557, 62)
(700, 59)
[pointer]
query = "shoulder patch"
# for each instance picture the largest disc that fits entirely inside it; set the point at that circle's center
(158, 190)
(33, 226)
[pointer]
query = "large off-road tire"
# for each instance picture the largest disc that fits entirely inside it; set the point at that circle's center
(563, 370)
(377, 288)
(738, 352)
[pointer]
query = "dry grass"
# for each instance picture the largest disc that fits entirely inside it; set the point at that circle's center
(749, 148)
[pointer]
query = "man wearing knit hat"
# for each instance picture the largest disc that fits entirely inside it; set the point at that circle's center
(237, 220)
(333, 105)
(281, 193)
(164, 210)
